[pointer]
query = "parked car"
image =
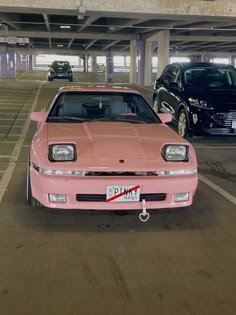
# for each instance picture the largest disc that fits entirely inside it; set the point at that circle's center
(60, 70)
(100, 67)
(201, 97)
(105, 148)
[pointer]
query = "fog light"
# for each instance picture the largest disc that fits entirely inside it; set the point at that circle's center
(182, 197)
(195, 118)
(57, 197)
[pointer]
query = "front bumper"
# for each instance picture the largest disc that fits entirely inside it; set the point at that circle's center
(67, 76)
(42, 185)
(203, 121)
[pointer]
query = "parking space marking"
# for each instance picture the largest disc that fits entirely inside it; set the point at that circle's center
(218, 189)
(21, 75)
(17, 149)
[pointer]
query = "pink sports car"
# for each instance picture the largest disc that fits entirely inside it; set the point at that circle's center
(105, 148)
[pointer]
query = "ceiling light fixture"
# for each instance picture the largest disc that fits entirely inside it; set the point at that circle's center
(65, 26)
(59, 45)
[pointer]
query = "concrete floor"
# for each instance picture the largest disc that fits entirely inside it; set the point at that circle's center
(74, 263)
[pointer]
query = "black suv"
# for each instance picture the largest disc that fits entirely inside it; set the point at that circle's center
(60, 70)
(200, 96)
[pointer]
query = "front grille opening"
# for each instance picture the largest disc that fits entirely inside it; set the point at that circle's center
(102, 197)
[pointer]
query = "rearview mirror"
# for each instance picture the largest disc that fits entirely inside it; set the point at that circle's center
(165, 117)
(38, 116)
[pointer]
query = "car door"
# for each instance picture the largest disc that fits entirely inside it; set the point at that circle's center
(169, 100)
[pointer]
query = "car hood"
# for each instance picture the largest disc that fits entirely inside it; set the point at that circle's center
(116, 145)
(220, 99)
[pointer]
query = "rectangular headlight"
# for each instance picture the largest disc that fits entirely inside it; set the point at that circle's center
(62, 152)
(175, 152)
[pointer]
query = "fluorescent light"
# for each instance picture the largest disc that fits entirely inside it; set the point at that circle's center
(60, 45)
(65, 26)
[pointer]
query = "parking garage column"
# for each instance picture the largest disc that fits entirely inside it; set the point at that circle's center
(133, 66)
(232, 60)
(94, 63)
(109, 68)
(163, 50)
(11, 62)
(141, 61)
(148, 63)
(3, 63)
(24, 63)
(18, 61)
(30, 62)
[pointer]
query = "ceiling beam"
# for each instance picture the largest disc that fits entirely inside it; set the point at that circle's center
(127, 24)
(90, 44)
(111, 44)
(7, 20)
(203, 38)
(70, 43)
(88, 22)
(45, 16)
(71, 35)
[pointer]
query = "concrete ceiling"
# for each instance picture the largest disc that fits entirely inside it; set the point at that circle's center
(91, 32)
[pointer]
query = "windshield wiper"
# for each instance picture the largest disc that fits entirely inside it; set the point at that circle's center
(121, 119)
(80, 119)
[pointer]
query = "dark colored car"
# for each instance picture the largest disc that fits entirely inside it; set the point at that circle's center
(200, 96)
(60, 70)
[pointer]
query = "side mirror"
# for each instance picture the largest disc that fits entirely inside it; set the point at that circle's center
(165, 117)
(38, 116)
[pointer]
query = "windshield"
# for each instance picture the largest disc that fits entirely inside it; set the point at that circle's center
(61, 64)
(211, 77)
(102, 106)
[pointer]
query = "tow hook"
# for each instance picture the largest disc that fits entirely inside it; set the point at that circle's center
(144, 216)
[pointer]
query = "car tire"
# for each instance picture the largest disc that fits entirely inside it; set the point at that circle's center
(156, 105)
(50, 79)
(31, 200)
(71, 79)
(182, 125)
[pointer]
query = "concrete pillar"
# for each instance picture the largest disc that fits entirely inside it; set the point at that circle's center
(109, 68)
(206, 58)
(94, 63)
(34, 61)
(11, 64)
(30, 62)
(18, 61)
(232, 60)
(148, 64)
(3, 64)
(24, 61)
(141, 61)
(133, 64)
(163, 50)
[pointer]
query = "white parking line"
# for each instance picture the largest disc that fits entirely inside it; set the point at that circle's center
(218, 189)
(16, 152)
(21, 75)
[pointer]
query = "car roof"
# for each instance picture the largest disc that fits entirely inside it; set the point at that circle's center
(98, 88)
(187, 65)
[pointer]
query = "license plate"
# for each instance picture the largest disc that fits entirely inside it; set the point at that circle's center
(234, 124)
(123, 193)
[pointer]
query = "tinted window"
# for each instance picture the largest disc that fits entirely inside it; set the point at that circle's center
(210, 77)
(101, 106)
(172, 74)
